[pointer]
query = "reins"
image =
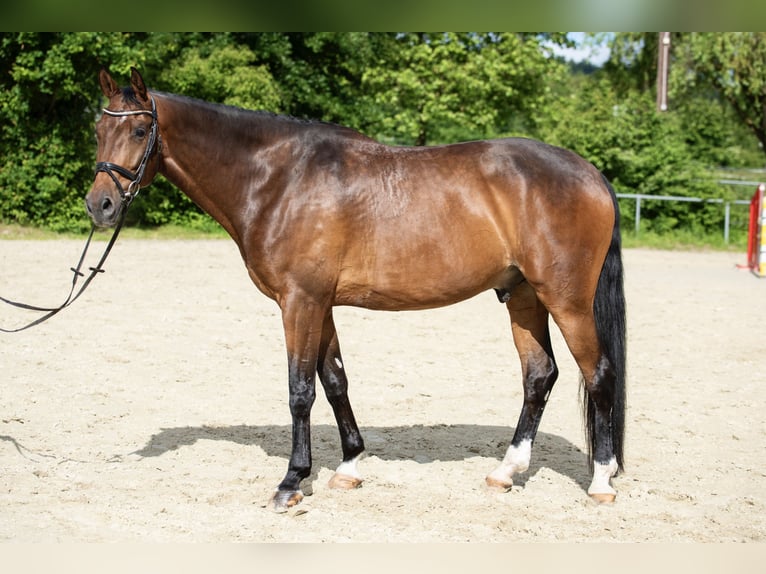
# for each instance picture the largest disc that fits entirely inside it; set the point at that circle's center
(126, 197)
(77, 274)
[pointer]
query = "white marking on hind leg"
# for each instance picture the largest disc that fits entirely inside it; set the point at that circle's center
(516, 460)
(601, 475)
(347, 475)
(338, 362)
(348, 467)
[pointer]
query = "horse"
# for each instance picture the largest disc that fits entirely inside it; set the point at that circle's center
(325, 216)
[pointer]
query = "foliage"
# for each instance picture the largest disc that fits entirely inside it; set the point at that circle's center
(733, 64)
(610, 117)
(639, 150)
(225, 74)
(632, 64)
(47, 153)
(209, 67)
(411, 89)
(436, 88)
(319, 74)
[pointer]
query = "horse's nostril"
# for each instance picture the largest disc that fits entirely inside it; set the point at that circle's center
(106, 205)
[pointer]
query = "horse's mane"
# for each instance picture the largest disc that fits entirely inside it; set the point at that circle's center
(238, 114)
(129, 96)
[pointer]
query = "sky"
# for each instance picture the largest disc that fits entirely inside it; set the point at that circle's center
(585, 51)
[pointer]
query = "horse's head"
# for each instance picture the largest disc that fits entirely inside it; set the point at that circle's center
(128, 148)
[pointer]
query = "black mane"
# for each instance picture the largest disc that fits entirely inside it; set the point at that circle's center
(236, 112)
(129, 96)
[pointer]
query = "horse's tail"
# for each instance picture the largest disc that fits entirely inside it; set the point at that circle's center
(609, 314)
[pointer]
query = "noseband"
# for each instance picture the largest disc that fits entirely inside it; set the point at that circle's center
(135, 177)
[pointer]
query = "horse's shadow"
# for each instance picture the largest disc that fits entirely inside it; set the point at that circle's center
(423, 444)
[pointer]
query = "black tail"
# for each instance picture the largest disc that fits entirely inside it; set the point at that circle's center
(609, 313)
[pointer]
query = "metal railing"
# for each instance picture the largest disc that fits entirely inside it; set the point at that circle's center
(726, 202)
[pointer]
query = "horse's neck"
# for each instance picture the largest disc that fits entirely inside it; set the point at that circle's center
(202, 149)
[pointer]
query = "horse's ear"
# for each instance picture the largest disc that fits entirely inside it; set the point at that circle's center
(108, 86)
(137, 82)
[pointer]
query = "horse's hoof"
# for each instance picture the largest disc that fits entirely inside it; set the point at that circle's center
(501, 485)
(284, 500)
(603, 497)
(344, 482)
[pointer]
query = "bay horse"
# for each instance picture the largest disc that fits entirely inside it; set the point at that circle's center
(325, 216)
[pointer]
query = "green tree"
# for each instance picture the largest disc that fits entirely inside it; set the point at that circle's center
(715, 122)
(437, 88)
(639, 149)
(320, 73)
(733, 64)
(215, 68)
(632, 63)
(400, 88)
(223, 72)
(48, 104)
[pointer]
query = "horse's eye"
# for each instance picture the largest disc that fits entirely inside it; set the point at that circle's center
(140, 133)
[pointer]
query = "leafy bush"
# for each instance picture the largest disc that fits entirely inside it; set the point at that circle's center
(401, 88)
(640, 151)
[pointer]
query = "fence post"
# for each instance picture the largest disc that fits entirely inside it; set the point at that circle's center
(638, 214)
(726, 216)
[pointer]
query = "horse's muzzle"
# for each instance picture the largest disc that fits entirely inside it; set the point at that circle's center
(103, 210)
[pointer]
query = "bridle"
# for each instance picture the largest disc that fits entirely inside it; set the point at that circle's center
(126, 197)
(135, 178)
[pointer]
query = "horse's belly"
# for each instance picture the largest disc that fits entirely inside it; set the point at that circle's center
(406, 287)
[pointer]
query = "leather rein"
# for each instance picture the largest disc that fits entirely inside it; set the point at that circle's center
(126, 197)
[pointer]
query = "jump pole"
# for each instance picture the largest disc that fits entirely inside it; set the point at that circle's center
(756, 236)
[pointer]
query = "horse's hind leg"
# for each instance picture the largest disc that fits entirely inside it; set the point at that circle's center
(531, 335)
(577, 324)
(333, 377)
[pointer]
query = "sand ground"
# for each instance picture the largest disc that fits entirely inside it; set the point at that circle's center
(155, 409)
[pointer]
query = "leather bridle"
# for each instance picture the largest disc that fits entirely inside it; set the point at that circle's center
(134, 177)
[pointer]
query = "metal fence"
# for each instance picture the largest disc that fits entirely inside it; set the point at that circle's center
(727, 203)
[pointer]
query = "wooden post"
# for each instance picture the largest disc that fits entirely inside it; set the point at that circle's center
(663, 52)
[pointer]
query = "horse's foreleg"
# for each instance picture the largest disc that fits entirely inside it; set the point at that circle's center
(531, 335)
(333, 377)
(302, 320)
